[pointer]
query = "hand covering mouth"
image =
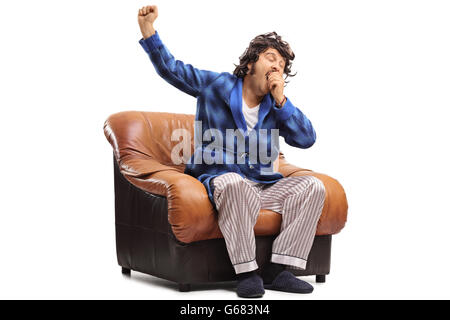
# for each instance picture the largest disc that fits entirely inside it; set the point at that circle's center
(268, 73)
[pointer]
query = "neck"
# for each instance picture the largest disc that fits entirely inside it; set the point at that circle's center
(250, 93)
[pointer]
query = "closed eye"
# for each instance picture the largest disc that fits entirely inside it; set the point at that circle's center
(272, 58)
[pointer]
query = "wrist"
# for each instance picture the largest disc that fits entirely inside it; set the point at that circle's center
(279, 102)
(148, 32)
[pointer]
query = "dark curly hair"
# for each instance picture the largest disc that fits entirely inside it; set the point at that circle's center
(260, 44)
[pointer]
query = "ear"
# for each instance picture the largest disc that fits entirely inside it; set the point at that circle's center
(249, 66)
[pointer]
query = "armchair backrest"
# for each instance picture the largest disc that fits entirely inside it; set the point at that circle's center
(147, 135)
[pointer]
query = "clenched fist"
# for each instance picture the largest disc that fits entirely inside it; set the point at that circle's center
(146, 16)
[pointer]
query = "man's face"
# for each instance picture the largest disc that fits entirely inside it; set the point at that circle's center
(269, 61)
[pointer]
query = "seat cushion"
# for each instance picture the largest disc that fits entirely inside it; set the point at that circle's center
(193, 217)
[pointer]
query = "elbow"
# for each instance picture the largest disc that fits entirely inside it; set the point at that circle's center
(302, 140)
(310, 143)
(307, 139)
(312, 137)
(305, 135)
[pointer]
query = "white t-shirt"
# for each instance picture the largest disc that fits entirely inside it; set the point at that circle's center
(250, 115)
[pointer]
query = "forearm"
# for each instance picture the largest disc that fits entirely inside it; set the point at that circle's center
(183, 76)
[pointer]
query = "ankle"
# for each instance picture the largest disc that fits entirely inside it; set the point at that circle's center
(245, 275)
(271, 271)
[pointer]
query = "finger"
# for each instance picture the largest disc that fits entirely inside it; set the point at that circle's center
(277, 80)
(275, 75)
(273, 83)
(276, 84)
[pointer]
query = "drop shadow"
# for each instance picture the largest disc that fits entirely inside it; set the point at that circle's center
(140, 277)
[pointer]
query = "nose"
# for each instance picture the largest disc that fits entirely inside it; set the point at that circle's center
(272, 69)
(275, 69)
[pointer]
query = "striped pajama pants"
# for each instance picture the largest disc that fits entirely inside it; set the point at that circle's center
(238, 200)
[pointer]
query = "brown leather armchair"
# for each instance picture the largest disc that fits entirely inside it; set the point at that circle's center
(165, 223)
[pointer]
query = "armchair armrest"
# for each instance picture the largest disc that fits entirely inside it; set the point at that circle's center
(190, 213)
(334, 213)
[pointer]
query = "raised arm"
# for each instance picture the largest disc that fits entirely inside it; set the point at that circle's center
(183, 76)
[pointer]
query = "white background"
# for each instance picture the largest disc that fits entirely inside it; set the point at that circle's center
(373, 77)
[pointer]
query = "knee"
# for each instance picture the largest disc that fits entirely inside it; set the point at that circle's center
(317, 187)
(229, 180)
(311, 185)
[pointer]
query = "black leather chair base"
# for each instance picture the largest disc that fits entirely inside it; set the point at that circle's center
(145, 243)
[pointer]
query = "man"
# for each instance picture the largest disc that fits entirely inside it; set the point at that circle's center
(250, 104)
